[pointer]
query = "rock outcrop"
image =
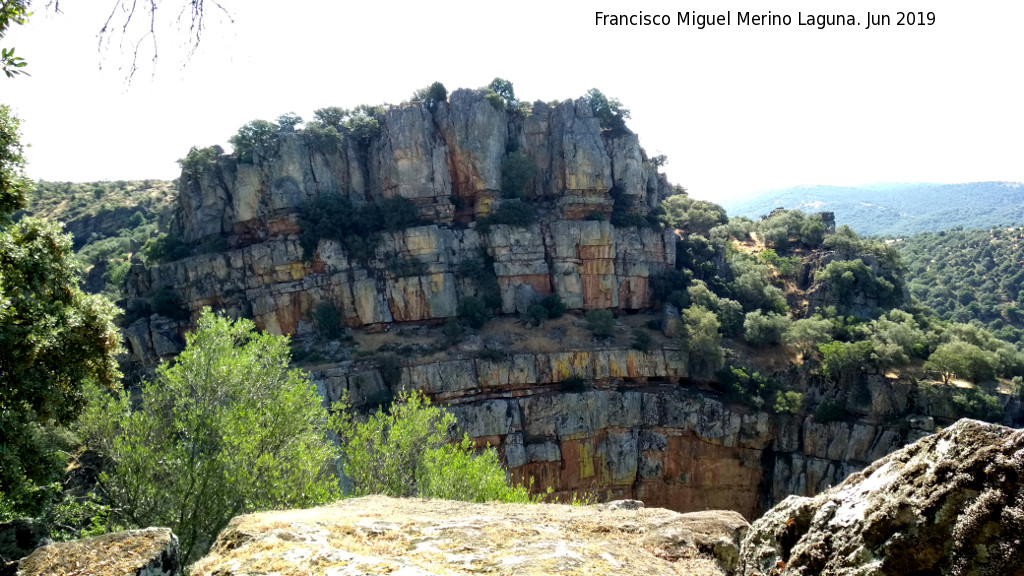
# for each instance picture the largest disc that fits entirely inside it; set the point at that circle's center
(149, 552)
(952, 503)
(447, 160)
(376, 535)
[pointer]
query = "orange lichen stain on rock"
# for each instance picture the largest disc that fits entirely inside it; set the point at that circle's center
(631, 368)
(700, 475)
(597, 291)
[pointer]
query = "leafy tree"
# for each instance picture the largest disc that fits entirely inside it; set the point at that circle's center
(641, 340)
(553, 304)
(765, 329)
(474, 311)
(609, 111)
(255, 136)
(53, 337)
(332, 116)
(504, 88)
(198, 159)
(964, 360)
(703, 341)
(289, 121)
(843, 361)
(806, 334)
(228, 429)
(409, 452)
(693, 216)
(431, 95)
(789, 402)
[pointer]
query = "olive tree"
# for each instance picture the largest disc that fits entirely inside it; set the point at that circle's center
(227, 429)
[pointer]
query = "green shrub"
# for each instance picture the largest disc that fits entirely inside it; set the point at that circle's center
(509, 212)
(431, 95)
(642, 340)
(452, 332)
(610, 113)
(327, 321)
(493, 355)
(830, 410)
(407, 452)
(740, 386)
(517, 172)
(601, 323)
(573, 385)
(553, 304)
(390, 368)
(198, 159)
(703, 341)
(474, 311)
(789, 402)
(164, 248)
(228, 429)
(536, 314)
(356, 229)
(481, 271)
(764, 329)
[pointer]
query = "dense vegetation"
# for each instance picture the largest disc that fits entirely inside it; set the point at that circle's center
(970, 275)
(899, 209)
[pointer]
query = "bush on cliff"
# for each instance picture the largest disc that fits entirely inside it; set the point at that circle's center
(227, 429)
(408, 452)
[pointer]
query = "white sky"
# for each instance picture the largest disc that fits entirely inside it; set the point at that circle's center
(735, 109)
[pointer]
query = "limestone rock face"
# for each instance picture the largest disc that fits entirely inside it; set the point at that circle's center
(447, 160)
(376, 534)
(951, 503)
(149, 552)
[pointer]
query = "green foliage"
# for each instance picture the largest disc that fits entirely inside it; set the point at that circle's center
(752, 287)
(289, 121)
(703, 341)
(517, 172)
(356, 229)
(228, 429)
(474, 311)
(966, 275)
(832, 410)
(553, 304)
(842, 362)
(789, 402)
(806, 334)
(786, 267)
(976, 403)
(12, 12)
(390, 368)
(641, 340)
(327, 321)
(409, 452)
(331, 116)
(729, 312)
(502, 95)
(510, 212)
(431, 95)
(480, 271)
(257, 136)
(610, 113)
(164, 248)
(692, 216)
(197, 160)
(852, 277)
(601, 323)
(53, 337)
(741, 386)
(573, 385)
(670, 287)
(765, 329)
(536, 314)
(962, 360)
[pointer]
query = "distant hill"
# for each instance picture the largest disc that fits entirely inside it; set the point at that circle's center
(898, 209)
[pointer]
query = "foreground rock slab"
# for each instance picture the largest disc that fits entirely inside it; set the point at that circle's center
(380, 535)
(950, 504)
(149, 552)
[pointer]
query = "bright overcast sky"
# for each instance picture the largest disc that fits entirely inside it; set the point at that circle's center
(736, 109)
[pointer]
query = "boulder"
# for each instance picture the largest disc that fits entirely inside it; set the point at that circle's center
(149, 552)
(379, 535)
(951, 503)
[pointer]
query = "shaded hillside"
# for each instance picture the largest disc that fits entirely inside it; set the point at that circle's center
(109, 221)
(967, 275)
(898, 209)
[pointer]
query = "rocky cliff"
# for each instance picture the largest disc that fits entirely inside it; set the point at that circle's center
(642, 429)
(446, 159)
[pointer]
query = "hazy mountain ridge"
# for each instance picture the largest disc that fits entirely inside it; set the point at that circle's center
(898, 209)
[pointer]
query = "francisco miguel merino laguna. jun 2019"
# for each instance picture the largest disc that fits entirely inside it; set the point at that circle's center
(729, 18)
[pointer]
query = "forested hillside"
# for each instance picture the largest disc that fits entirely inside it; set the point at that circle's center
(966, 275)
(898, 209)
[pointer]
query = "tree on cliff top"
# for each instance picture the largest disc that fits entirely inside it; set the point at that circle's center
(53, 337)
